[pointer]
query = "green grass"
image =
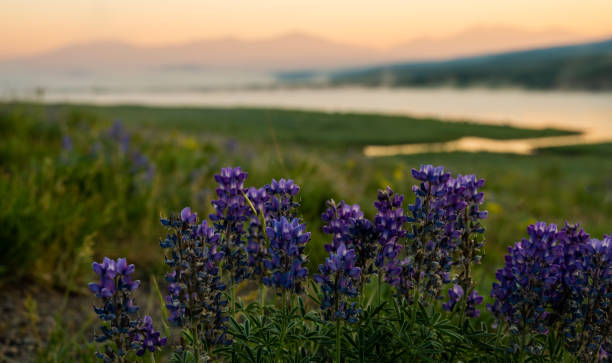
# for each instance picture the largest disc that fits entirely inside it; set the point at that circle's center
(603, 150)
(91, 207)
(60, 210)
(338, 130)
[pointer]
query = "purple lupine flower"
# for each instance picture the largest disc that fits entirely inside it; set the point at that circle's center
(146, 338)
(588, 325)
(567, 302)
(124, 271)
(473, 299)
(118, 134)
(454, 295)
(339, 219)
(286, 258)
(365, 242)
(430, 174)
(560, 280)
(339, 280)
(194, 258)
(389, 223)
(142, 164)
(347, 226)
(188, 217)
(462, 215)
(604, 356)
(231, 208)
(530, 280)
(256, 238)
(429, 247)
(281, 201)
(117, 310)
(67, 144)
(231, 212)
(107, 272)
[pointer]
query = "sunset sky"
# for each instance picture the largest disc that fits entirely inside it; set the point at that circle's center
(31, 26)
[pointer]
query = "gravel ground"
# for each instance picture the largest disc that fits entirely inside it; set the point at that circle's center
(28, 317)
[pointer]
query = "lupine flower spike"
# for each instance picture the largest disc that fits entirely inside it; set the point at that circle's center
(118, 312)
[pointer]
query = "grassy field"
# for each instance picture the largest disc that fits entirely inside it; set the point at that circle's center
(316, 129)
(95, 205)
(74, 188)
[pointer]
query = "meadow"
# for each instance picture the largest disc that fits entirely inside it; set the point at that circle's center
(76, 184)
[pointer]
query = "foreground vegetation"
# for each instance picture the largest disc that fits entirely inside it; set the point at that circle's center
(75, 186)
(378, 291)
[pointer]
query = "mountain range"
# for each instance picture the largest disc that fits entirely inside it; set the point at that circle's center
(586, 66)
(292, 51)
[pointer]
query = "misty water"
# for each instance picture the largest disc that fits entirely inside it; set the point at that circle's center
(590, 113)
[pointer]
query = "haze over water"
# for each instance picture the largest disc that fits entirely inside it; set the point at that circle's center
(590, 113)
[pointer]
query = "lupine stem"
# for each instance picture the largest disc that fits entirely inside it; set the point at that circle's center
(338, 340)
(379, 286)
(284, 322)
(415, 302)
(261, 297)
(196, 346)
(233, 291)
(523, 343)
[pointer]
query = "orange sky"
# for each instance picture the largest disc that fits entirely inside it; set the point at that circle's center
(30, 26)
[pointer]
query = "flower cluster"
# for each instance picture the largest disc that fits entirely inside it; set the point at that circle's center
(146, 338)
(389, 223)
(114, 146)
(139, 163)
(286, 255)
(456, 294)
(461, 204)
(339, 219)
(347, 226)
(339, 279)
(256, 235)
(528, 281)
(282, 201)
(195, 290)
(586, 312)
(114, 288)
(559, 280)
(231, 212)
(427, 260)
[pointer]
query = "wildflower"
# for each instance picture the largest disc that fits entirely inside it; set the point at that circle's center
(462, 214)
(389, 224)
(195, 290)
(340, 218)
(339, 279)
(287, 242)
(256, 237)
(588, 325)
(281, 201)
(67, 144)
(454, 295)
(146, 338)
(188, 217)
(231, 212)
(428, 248)
(118, 134)
(529, 281)
(118, 309)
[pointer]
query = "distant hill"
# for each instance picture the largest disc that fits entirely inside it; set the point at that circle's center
(292, 51)
(580, 66)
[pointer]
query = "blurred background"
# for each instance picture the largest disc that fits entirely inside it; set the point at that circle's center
(115, 113)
